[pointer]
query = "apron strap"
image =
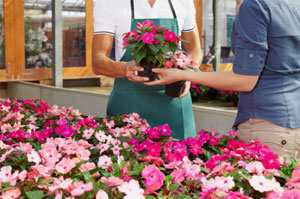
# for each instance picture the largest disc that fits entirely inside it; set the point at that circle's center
(132, 9)
(172, 8)
(170, 3)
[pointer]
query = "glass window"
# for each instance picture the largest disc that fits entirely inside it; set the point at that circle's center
(38, 33)
(2, 50)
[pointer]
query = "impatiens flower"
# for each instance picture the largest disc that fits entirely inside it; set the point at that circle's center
(147, 38)
(219, 183)
(101, 195)
(41, 170)
(87, 133)
(22, 175)
(152, 175)
(87, 166)
(170, 36)
(7, 176)
(178, 175)
(65, 165)
(12, 193)
(255, 167)
(33, 156)
(112, 181)
(261, 184)
(79, 188)
(104, 162)
(294, 181)
(131, 187)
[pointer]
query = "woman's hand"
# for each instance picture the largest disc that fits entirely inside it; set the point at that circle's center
(131, 70)
(166, 76)
(186, 89)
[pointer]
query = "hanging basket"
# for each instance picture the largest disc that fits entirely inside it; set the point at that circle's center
(175, 89)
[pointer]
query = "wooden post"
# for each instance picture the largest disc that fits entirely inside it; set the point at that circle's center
(199, 14)
(217, 10)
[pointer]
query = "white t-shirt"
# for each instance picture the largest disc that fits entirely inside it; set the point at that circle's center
(114, 16)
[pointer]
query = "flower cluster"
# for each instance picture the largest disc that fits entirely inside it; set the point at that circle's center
(58, 153)
(150, 42)
(179, 60)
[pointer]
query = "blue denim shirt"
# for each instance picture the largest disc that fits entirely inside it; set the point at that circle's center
(266, 43)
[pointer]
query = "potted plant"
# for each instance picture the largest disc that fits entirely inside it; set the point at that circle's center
(178, 60)
(149, 42)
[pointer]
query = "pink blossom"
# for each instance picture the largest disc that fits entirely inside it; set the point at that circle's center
(87, 133)
(101, 195)
(112, 181)
(168, 64)
(291, 194)
(294, 181)
(87, 166)
(152, 175)
(220, 183)
(147, 38)
(78, 188)
(65, 165)
(7, 176)
(178, 175)
(22, 175)
(191, 170)
(261, 184)
(170, 36)
(41, 170)
(82, 153)
(255, 167)
(104, 162)
(33, 156)
(12, 193)
(131, 187)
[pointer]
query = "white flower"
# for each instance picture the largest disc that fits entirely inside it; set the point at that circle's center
(104, 162)
(261, 184)
(101, 195)
(33, 156)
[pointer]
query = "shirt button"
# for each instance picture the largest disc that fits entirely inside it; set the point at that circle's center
(251, 54)
(283, 142)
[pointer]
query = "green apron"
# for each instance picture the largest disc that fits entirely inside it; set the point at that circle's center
(150, 102)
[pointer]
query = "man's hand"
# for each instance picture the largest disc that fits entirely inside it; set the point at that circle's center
(131, 69)
(186, 89)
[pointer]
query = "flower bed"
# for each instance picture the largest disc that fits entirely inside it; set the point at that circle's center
(57, 153)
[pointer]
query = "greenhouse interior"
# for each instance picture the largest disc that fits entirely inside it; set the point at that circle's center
(58, 139)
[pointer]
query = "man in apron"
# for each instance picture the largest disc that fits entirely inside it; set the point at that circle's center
(113, 18)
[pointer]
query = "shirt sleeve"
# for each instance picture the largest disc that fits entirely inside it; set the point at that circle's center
(249, 38)
(190, 20)
(105, 17)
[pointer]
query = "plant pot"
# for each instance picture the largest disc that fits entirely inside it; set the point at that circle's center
(196, 98)
(147, 70)
(175, 89)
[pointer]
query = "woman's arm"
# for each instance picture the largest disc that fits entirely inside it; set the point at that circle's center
(226, 80)
(103, 65)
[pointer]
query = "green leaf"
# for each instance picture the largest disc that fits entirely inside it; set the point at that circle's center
(173, 47)
(140, 55)
(87, 176)
(168, 179)
(34, 194)
(154, 48)
(174, 186)
(150, 197)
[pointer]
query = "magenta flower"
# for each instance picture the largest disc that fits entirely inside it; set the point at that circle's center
(170, 36)
(147, 38)
(152, 175)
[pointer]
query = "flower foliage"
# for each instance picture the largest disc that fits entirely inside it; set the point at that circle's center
(179, 60)
(150, 42)
(48, 152)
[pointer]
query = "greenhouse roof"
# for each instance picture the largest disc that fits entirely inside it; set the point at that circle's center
(68, 5)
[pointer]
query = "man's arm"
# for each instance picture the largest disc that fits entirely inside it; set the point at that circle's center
(103, 65)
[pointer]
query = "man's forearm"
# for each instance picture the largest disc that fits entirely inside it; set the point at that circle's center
(103, 65)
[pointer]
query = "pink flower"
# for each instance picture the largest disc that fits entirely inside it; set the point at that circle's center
(101, 195)
(22, 175)
(152, 175)
(87, 166)
(41, 170)
(78, 188)
(65, 165)
(104, 162)
(87, 133)
(220, 183)
(170, 36)
(7, 176)
(12, 193)
(82, 153)
(255, 167)
(112, 181)
(131, 187)
(261, 184)
(291, 194)
(33, 156)
(294, 181)
(178, 175)
(147, 38)
(168, 64)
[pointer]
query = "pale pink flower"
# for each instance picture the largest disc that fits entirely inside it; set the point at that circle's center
(104, 162)
(178, 175)
(255, 167)
(4, 155)
(31, 119)
(100, 136)
(87, 166)
(25, 147)
(88, 133)
(7, 176)
(3, 146)
(101, 195)
(191, 171)
(112, 181)
(65, 165)
(49, 156)
(41, 170)
(116, 150)
(82, 153)
(22, 175)
(60, 184)
(131, 187)
(134, 195)
(5, 108)
(17, 126)
(103, 148)
(261, 184)
(5, 127)
(78, 188)
(33, 156)
(220, 183)
(294, 181)
(12, 193)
